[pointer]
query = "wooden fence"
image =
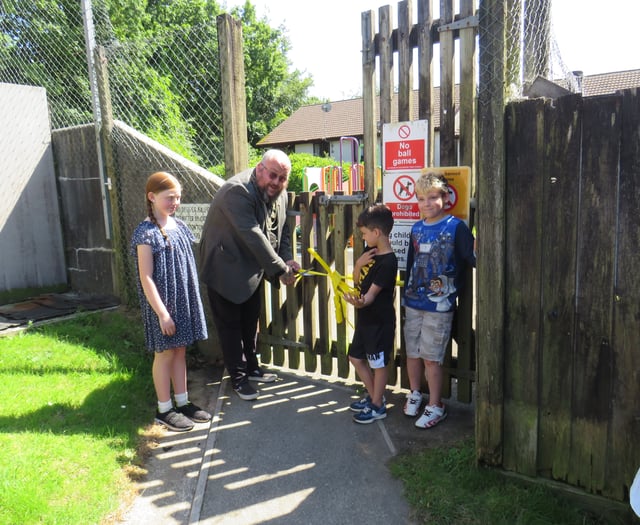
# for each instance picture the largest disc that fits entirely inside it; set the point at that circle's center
(571, 383)
(298, 328)
(299, 322)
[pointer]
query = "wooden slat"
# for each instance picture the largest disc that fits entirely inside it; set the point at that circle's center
(341, 234)
(405, 60)
(425, 74)
(448, 154)
(369, 124)
(325, 303)
(560, 178)
(385, 45)
(593, 360)
(464, 333)
(309, 295)
(277, 322)
(523, 238)
(490, 225)
(467, 87)
(623, 457)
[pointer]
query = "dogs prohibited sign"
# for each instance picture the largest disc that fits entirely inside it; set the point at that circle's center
(403, 188)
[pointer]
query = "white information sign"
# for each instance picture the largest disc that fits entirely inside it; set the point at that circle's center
(193, 215)
(405, 155)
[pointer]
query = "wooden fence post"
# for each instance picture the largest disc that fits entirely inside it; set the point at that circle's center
(491, 233)
(121, 277)
(234, 106)
(369, 127)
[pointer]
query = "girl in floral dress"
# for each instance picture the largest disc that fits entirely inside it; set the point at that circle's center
(170, 301)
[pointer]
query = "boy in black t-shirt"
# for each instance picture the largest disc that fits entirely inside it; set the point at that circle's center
(374, 275)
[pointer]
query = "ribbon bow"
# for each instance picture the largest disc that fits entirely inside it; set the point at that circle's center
(338, 284)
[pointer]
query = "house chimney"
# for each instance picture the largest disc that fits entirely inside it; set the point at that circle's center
(577, 77)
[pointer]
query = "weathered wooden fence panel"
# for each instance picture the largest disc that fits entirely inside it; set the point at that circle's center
(596, 221)
(560, 178)
(622, 445)
(523, 245)
(572, 314)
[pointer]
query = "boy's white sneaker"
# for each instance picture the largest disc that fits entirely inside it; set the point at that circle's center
(431, 416)
(412, 404)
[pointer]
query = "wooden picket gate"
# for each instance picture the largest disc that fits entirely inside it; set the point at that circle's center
(300, 321)
(298, 328)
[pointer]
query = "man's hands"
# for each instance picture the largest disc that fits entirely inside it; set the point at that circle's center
(289, 277)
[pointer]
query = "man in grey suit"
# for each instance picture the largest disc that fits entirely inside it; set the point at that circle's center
(246, 239)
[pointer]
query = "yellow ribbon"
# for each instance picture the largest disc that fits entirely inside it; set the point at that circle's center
(338, 284)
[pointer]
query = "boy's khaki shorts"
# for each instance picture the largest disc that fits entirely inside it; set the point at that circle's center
(426, 334)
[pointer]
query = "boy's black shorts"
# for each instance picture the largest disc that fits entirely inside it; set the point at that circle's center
(373, 343)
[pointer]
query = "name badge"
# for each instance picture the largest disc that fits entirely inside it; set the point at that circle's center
(425, 247)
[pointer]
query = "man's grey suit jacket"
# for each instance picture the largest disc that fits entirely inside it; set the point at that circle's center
(235, 251)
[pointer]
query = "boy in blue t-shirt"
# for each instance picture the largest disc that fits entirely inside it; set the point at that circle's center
(440, 248)
(374, 274)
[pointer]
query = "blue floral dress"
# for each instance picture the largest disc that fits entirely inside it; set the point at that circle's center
(176, 278)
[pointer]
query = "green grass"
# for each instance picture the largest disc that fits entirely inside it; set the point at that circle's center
(76, 396)
(444, 486)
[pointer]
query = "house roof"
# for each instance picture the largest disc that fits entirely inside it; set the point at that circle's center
(607, 83)
(344, 117)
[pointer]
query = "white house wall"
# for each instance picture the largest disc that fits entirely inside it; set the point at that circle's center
(31, 247)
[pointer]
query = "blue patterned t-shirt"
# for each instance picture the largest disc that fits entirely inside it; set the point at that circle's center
(437, 257)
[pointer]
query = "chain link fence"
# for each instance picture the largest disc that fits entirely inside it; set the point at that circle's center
(523, 47)
(165, 95)
(165, 98)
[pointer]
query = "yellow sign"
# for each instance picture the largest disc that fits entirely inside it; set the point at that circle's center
(459, 180)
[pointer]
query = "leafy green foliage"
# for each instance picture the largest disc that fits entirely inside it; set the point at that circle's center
(163, 67)
(300, 161)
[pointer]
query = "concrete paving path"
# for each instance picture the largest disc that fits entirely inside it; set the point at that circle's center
(293, 456)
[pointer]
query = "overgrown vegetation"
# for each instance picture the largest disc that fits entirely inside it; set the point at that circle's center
(445, 487)
(162, 56)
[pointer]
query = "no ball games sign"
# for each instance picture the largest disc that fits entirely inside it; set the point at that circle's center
(405, 145)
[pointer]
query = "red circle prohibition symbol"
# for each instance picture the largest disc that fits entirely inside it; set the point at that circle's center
(404, 132)
(404, 188)
(453, 197)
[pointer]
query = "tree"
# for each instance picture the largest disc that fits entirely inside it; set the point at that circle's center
(163, 67)
(273, 92)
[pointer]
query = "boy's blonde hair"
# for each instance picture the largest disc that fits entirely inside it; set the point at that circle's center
(432, 181)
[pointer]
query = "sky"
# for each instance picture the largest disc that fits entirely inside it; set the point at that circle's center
(326, 39)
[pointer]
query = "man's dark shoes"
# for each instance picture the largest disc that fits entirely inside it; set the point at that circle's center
(194, 413)
(245, 391)
(260, 375)
(174, 420)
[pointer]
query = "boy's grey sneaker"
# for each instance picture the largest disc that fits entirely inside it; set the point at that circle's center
(260, 375)
(246, 391)
(174, 420)
(359, 406)
(370, 414)
(431, 417)
(412, 404)
(194, 413)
